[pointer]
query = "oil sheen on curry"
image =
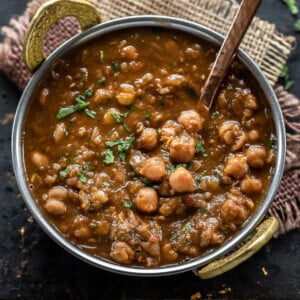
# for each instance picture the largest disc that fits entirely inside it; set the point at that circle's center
(121, 162)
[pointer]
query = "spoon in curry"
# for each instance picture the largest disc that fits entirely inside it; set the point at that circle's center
(225, 55)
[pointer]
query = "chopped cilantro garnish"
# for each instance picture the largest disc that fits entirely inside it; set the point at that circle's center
(86, 168)
(90, 113)
(123, 146)
(156, 186)
(187, 226)
(101, 80)
(174, 167)
(199, 178)
(64, 173)
(199, 147)
(273, 142)
(109, 157)
(89, 92)
(82, 177)
(127, 204)
(118, 118)
(106, 184)
(66, 111)
(115, 66)
(147, 115)
(146, 181)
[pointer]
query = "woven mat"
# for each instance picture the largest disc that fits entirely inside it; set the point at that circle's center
(267, 47)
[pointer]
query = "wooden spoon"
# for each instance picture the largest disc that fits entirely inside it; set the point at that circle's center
(232, 40)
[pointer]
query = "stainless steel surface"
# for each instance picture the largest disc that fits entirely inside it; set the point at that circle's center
(124, 23)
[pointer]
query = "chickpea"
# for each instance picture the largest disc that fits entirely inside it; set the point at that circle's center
(168, 253)
(55, 207)
(182, 149)
(127, 94)
(153, 168)
(191, 121)
(256, 156)
(233, 210)
(59, 132)
(102, 95)
(251, 185)
(146, 200)
(148, 139)
(39, 159)
(231, 133)
(129, 52)
(121, 252)
(83, 232)
(182, 180)
(253, 136)
(58, 193)
(236, 166)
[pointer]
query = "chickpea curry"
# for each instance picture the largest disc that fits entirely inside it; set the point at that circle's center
(124, 165)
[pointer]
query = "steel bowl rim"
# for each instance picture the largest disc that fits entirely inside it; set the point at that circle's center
(111, 26)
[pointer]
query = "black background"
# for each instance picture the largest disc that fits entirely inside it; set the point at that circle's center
(33, 266)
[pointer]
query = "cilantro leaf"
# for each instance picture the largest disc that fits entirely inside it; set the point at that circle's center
(109, 157)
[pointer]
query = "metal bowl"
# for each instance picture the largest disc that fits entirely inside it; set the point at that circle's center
(204, 34)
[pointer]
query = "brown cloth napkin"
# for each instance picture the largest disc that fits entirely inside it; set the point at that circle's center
(268, 48)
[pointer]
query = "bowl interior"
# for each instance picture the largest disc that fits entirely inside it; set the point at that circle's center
(108, 27)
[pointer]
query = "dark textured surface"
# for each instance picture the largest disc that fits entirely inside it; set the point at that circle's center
(33, 266)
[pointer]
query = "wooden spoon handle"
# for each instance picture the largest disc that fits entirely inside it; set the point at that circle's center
(232, 40)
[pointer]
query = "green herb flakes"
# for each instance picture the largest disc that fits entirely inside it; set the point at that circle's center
(115, 67)
(146, 181)
(175, 167)
(106, 184)
(101, 80)
(297, 26)
(118, 118)
(82, 177)
(89, 92)
(90, 113)
(64, 173)
(127, 204)
(187, 226)
(273, 142)
(147, 115)
(66, 111)
(109, 157)
(123, 146)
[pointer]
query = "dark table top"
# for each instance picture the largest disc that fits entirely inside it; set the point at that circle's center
(33, 266)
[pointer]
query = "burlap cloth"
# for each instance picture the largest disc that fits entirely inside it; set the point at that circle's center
(263, 43)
